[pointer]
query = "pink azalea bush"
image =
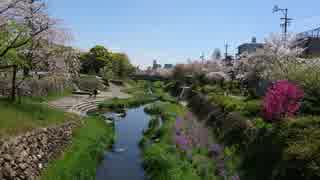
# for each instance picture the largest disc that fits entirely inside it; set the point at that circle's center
(282, 100)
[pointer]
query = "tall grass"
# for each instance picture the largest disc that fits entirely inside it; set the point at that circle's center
(80, 160)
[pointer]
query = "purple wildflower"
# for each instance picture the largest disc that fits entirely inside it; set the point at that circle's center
(216, 149)
(182, 142)
(235, 177)
(178, 125)
(222, 172)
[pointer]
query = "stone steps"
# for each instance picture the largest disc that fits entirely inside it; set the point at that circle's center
(86, 106)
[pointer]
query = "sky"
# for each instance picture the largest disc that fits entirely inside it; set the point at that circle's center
(173, 31)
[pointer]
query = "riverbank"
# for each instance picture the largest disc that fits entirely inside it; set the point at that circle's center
(167, 153)
(80, 159)
(19, 118)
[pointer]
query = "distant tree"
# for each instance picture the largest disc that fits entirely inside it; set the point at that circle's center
(121, 65)
(94, 60)
(216, 55)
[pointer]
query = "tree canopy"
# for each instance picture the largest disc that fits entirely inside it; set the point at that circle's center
(101, 61)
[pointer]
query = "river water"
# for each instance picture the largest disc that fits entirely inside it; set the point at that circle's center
(125, 161)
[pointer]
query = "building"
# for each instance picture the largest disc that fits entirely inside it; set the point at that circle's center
(168, 66)
(249, 48)
(155, 65)
(310, 42)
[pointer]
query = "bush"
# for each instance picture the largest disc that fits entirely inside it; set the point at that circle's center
(89, 83)
(252, 108)
(293, 153)
(117, 103)
(212, 89)
(281, 100)
(234, 129)
(300, 158)
(153, 109)
(162, 162)
(228, 103)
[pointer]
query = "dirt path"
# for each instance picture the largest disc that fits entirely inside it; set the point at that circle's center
(81, 104)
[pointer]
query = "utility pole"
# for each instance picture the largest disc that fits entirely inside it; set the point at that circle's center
(226, 50)
(286, 20)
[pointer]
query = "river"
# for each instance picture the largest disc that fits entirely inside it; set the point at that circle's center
(124, 162)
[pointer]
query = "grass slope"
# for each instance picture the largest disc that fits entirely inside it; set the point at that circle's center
(18, 118)
(80, 160)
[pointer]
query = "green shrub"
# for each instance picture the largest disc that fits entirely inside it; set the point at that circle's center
(289, 150)
(300, 157)
(154, 109)
(90, 83)
(116, 103)
(163, 162)
(212, 89)
(252, 108)
(234, 129)
(310, 104)
(228, 103)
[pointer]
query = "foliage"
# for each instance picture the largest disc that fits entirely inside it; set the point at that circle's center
(120, 65)
(306, 75)
(89, 82)
(116, 103)
(228, 103)
(295, 145)
(282, 100)
(252, 108)
(94, 60)
(164, 156)
(108, 64)
(300, 159)
(28, 34)
(80, 160)
(162, 162)
(207, 89)
(52, 84)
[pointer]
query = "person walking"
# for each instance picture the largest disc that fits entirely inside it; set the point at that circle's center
(95, 92)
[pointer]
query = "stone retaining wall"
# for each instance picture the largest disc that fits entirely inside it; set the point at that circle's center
(23, 157)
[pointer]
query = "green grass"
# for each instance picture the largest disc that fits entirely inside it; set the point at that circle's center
(117, 104)
(51, 96)
(248, 108)
(19, 118)
(80, 160)
(140, 96)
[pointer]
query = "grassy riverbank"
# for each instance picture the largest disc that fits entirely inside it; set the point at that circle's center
(162, 158)
(80, 160)
(18, 118)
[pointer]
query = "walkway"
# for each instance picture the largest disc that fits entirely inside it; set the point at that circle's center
(81, 104)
